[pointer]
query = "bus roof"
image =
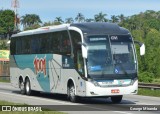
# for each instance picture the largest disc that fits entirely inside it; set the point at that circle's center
(100, 28)
(89, 28)
(43, 30)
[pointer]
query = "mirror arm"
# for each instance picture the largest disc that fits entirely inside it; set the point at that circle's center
(139, 43)
(82, 44)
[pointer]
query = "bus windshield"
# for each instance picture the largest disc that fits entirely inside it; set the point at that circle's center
(108, 55)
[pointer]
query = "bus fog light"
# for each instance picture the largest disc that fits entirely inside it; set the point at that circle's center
(135, 91)
(92, 92)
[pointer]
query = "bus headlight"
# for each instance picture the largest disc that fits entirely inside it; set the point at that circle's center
(95, 83)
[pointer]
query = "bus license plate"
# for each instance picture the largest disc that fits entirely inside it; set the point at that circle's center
(115, 91)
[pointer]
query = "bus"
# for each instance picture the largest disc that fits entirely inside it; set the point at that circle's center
(80, 60)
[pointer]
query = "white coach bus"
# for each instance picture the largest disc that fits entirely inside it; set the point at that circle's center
(80, 60)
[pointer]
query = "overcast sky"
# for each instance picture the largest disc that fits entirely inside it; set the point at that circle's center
(49, 9)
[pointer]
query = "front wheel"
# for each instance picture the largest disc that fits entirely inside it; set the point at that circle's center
(116, 99)
(71, 93)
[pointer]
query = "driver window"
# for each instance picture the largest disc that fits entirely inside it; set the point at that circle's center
(80, 64)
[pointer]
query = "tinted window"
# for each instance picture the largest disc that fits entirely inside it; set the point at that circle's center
(65, 45)
(18, 46)
(13, 46)
(44, 44)
(55, 42)
(35, 44)
(25, 44)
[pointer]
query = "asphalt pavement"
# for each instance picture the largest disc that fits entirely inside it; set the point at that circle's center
(131, 104)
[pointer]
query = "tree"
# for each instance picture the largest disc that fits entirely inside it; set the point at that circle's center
(69, 20)
(100, 17)
(121, 18)
(58, 20)
(3, 45)
(114, 19)
(6, 22)
(30, 20)
(80, 17)
(48, 23)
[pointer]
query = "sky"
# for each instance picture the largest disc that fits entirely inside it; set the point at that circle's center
(49, 9)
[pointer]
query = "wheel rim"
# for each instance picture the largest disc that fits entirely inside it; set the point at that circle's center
(21, 86)
(27, 87)
(72, 92)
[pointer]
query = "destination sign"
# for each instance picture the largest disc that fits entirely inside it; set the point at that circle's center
(120, 38)
(97, 39)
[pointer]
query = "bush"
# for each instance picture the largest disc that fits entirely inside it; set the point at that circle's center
(146, 77)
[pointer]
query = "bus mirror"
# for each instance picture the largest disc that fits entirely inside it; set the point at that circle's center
(142, 49)
(84, 52)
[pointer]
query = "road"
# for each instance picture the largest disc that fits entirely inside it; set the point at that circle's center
(128, 105)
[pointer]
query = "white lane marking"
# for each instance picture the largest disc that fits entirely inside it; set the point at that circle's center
(122, 112)
(43, 99)
(143, 104)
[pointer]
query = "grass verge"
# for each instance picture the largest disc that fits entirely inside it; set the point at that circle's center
(19, 112)
(148, 92)
(2, 80)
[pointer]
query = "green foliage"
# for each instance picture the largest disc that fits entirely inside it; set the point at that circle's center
(30, 21)
(3, 45)
(35, 26)
(149, 92)
(156, 80)
(80, 17)
(6, 22)
(100, 17)
(146, 77)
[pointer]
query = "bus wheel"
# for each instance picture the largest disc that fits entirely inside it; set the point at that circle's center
(71, 93)
(21, 86)
(116, 99)
(28, 87)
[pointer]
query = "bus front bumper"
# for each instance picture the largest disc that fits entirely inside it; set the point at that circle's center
(95, 91)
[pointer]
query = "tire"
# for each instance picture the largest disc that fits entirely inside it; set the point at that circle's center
(28, 87)
(22, 88)
(71, 93)
(116, 99)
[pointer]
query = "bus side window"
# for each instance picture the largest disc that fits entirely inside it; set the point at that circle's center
(54, 43)
(35, 45)
(13, 46)
(65, 44)
(44, 43)
(18, 46)
(26, 45)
